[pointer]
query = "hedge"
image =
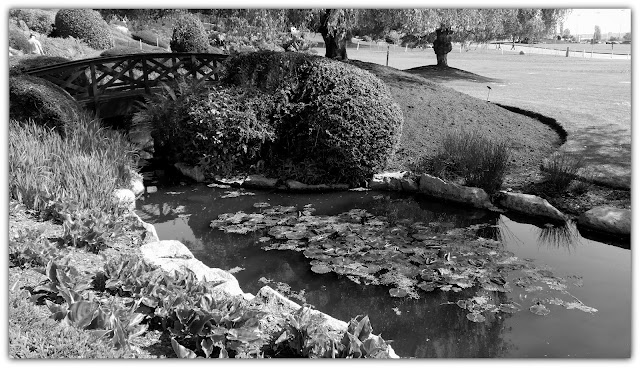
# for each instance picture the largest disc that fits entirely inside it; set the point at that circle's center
(189, 35)
(335, 123)
(38, 99)
(38, 20)
(85, 24)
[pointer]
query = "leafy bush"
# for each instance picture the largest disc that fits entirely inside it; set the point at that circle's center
(150, 38)
(478, 160)
(17, 38)
(42, 101)
(221, 128)
(84, 166)
(189, 35)
(84, 24)
(37, 20)
(19, 65)
(335, 123)
(561, 169)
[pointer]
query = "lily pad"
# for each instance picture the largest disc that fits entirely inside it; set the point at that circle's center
(539, 309)
(321, 268)
(476, 317)
(398, 293)
(261, 205)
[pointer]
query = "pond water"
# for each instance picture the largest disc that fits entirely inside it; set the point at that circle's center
(594, 278)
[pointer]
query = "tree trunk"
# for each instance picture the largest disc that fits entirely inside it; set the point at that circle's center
(442, 45)
(335, 40)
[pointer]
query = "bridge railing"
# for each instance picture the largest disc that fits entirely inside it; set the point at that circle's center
(91, 80)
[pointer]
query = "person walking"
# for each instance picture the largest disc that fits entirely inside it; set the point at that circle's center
(35, 47)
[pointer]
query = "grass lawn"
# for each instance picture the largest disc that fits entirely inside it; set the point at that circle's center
(591, 98)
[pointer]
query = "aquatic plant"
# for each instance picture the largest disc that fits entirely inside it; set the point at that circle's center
(408, 258)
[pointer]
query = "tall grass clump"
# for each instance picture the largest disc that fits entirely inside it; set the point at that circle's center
(477, 160)
(561, 169)
(82, 166)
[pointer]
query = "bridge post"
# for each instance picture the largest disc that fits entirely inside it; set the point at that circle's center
(145, 74)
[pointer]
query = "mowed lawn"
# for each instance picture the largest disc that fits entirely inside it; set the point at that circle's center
(591, 98)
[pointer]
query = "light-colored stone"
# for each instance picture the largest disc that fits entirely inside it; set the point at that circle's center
(529, 204)
(193, 172)
(267, 294)
(137, 185)
(295, 185)
(436, 187)
(173, 256)
(152, 189)
(259, 181)
(151, 235)
(234, 182)
(125, 198)
(608, 220)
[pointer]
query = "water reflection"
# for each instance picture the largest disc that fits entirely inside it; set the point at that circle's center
(559, 236)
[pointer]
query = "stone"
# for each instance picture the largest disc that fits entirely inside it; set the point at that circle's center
(151, 235)
(193, 172)
(152, 189)
(125, 198)
(400, 181)
(409, 185)
(236, 181)
(295, 185)
(608, 220)
(173, 256)
(438, 188)
(529, 204)
(259, 181)
(339, 186)
(136, 184)
(267, 295)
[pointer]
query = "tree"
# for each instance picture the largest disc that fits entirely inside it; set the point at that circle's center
(335, 27)
(566, 34)
(627, 36)
(597, 35)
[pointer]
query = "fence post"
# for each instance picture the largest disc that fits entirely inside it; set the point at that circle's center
(358, 48)
(387, 55)
(140, 44)
(567, 51)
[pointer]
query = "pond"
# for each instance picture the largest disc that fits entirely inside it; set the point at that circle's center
(549, 292)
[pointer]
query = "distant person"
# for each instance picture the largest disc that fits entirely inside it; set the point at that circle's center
(513, 45)
(35, 47)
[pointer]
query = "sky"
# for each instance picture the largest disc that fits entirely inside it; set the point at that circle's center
(583, 21)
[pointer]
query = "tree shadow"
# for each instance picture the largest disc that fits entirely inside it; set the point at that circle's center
(439, 74)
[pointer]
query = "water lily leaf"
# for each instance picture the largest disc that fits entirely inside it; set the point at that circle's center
(321, 268)
(476, 317)
(264, 239)
(398, 293)
(261, 205)
(295, 235)
(579, 306)
(539, 309)
(427, 286)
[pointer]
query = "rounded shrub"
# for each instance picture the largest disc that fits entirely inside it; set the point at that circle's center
(335, 123)
(189, 35)
(84, 24)
(37, 20)
(42, 101)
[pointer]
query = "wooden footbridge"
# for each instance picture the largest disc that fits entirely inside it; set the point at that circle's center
(94, 82)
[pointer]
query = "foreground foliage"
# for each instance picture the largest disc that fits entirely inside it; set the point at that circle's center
(83, 165)
(129, 298)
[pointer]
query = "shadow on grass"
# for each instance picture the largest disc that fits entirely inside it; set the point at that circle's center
(439, 74)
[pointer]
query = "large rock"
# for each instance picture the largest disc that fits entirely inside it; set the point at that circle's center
(259, 181)
(136, 184)
(150, 233)
(394, 181)
(529, 204)
(436, 187)
(125, 198)
(608, 220)
(173, 256)
(193, 172)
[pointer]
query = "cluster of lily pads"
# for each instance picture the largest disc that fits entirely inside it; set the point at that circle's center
(406, 256)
